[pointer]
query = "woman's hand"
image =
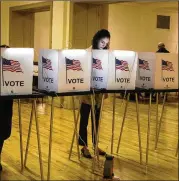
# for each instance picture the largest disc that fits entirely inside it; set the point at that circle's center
(83, 101)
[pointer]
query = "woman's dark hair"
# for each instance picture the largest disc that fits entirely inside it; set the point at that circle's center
(4, 46)
(100, 34)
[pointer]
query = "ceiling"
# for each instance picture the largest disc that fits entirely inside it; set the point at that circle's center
(167, 4)
(101, 1)
(125, 1)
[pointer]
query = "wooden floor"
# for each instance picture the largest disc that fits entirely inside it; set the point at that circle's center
(163, 165)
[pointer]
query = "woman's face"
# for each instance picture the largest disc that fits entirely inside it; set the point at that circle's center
(103, 42)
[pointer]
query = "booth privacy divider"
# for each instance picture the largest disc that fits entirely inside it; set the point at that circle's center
(157, 70)
(79, 70)
(16, 68)
(64, 70)
(114, 69)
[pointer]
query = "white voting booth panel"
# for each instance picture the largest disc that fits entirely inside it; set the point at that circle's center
(65, 70)
(114, 70)
(100, 63)
(122, 70)
(166, 72)
(146, 70)
(74, 70)
(157, 70)
(16, 71)
(48, 70)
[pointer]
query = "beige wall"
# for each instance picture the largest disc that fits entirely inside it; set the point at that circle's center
(5, 5)
(104, 11)
(60, 8)
(133, 26)
(41, 31)
(58, 24)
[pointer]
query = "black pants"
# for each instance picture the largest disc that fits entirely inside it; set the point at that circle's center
(84, 112)
(6, 111)
(5, 120)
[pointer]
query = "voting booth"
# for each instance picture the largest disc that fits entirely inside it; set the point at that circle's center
(122, 68)
(16, 68)
(146, 70)
(114, 70)
(157, 70)
(63, 71)
(166, 72)
(100, 62)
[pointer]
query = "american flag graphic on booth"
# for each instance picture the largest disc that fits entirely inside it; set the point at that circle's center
(11, 65)
(144, 64)
(97, 64)
(121, 65)
(166, 65)
(46, 63)
(73, 64)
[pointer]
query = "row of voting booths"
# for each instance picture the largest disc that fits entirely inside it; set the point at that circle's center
(64, 71)
(72, 71)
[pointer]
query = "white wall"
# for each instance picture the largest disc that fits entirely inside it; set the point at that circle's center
(133, 26)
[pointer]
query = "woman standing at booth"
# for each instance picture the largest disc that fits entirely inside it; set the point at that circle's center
(100, 41)
(6, 107)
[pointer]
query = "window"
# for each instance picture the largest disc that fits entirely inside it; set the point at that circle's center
(163, 22)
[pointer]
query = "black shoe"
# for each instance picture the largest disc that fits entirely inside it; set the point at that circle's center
(85, 152)
(0, 167)
(101, 152)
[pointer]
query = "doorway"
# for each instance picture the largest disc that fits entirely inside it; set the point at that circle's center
(30, 26)
(87, 20)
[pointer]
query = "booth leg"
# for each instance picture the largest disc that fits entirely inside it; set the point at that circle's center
(50, 139)
(157, 97)
(38, 140)
(176, 154)
(100, 116)
(113, 122)
(97, 136)
(138, 126)
(76, 127)
(122, 126)
(148, 131)
(160, 121)
(29, 135)
(94, 126)
(73, 138)
(20, 134)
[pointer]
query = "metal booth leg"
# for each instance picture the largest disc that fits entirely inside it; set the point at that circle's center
(138, 126)
(76, 127)
(148, 131)
(20, 134)
(38, 140)
(157, 97)
(34, 110)
(94, 127)
(29, 134)
(160, 121)
(97, 134)
(176, 154)
(122, 126)
(113, 122)
(50, 139)
(100, 116)
(74, 133)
